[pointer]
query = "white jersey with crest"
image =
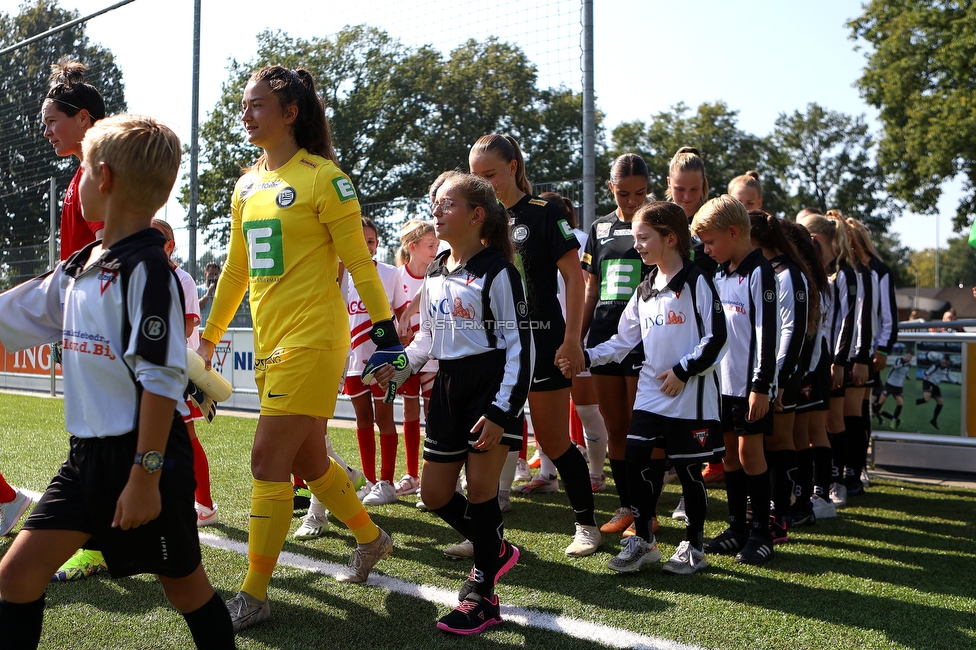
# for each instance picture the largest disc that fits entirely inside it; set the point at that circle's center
(361, 346)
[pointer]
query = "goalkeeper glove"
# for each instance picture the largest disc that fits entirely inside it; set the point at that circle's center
(389, 350)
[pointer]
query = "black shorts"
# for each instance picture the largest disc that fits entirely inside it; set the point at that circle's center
(815, 388)
(462, 391)
(629, 367)
(929, 387)
(897, 391)
(682, 440)
(791, 393)
(546, 375)
(734, 412)
(83, 495)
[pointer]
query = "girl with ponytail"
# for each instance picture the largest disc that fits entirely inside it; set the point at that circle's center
(294, 215)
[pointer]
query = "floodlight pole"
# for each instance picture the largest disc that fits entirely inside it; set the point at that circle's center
(589, 120)
(194, 146)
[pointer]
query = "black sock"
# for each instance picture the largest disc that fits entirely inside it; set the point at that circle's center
(618, 468)
(782, 474)
(696, 501)
(20, 623)
(804, 475)
(576, 481)
(646, 478)
(487, 531)
(920, 401)
(822, 470)
(838, 454)
(758, 487)
(210, 625)
(857, 447)
(455, 513)
(938, 409)
(737, 492)
(875, 408)
(897, 410)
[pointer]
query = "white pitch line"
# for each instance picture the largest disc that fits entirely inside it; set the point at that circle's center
(573, 627)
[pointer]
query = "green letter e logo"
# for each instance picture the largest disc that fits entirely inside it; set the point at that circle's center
(344, 189)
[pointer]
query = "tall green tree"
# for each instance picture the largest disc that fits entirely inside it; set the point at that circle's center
(827, 161)
(399, 115)
(919, 74)
(27, 160)
(712, 128)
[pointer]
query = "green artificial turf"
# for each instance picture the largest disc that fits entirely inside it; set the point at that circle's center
(896, 569)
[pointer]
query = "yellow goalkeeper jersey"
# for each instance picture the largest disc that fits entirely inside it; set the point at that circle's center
(289, 229)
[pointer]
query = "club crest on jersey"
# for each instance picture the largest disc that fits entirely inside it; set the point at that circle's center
(286, 197)
(801, 296)
(522, 309)
(769, 296)
(154, 328)
(701, 435)
(108, 278)
(520, 233)
(602, 230)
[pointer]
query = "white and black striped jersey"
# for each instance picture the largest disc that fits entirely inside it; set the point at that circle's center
(749, 297)
(682, 328)
(887, 333)
(793, 308)
(458, 320)
(899, 371)
(936, 374)
(867, 315)
(843, 317)
(820, 342)
(121, 325)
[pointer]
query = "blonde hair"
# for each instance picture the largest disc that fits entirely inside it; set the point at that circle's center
(720, 213)
(862, 237)
(750, 180)
(164, 228)
(848, 249)
(834, 232)
(688, 159)
(411, 232)
(143, 154)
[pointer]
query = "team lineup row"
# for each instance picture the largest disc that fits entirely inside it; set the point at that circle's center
(753, 341)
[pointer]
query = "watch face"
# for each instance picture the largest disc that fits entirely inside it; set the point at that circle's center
(152, 461)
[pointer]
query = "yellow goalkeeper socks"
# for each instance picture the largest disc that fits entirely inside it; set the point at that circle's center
(336, 492)
(271, 510)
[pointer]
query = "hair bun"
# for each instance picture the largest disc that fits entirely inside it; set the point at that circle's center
(752, 173)
(693, 150)
(67, 71)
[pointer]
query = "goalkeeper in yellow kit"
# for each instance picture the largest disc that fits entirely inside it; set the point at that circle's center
(294, 216)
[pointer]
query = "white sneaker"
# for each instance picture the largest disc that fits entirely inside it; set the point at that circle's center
(838, 495)
(636, 553)
(205, 516)
(408, 485)
(538, 485)
(12, 511)
(865, 477)
(462, 551)
(366, 488)
(586, 541)
(679, 512)
(686, 560)
(822, 508)
(313, 526)
(383, 493)
(522, 472)
(421, 506)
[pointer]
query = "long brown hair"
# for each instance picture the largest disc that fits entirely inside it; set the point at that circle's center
(507, 148)
(479, 193)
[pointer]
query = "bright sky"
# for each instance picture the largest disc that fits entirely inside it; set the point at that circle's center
(762, 58)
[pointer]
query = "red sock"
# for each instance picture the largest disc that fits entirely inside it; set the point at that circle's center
(7, 493)
(525, 440)
(388, 453)
(411, 441)
(366, 439)
(575, 426)
(201, 472)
